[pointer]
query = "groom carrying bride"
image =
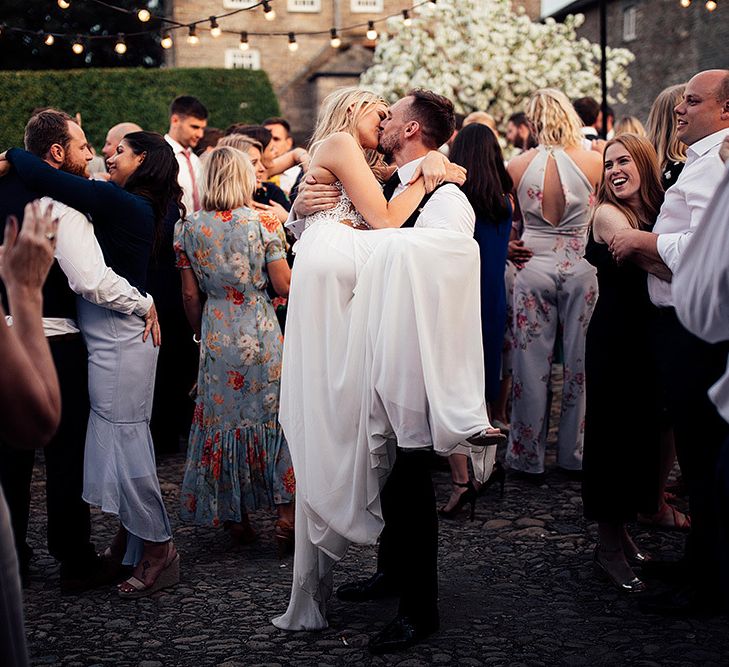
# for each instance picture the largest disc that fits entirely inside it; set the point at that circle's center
(407, 556)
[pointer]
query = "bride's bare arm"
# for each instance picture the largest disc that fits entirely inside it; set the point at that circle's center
(341, 155)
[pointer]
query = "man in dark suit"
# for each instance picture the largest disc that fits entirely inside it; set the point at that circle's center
(60, 141)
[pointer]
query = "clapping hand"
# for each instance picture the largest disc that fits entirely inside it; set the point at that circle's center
(26, 255)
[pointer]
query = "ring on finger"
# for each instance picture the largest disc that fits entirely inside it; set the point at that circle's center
(50, 235)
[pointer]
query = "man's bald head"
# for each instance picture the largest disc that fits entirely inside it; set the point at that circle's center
(115, 135)
(704, 108)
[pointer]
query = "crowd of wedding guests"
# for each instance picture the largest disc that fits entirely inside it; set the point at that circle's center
(163, 316)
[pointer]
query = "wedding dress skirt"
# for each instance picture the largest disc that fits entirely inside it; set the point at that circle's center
(383, 346)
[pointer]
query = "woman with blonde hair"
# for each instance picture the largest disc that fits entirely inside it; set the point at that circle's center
(554, 185)
(670, 149)
(369, 359)
(237, 458)
(629, 125)
(621, 470)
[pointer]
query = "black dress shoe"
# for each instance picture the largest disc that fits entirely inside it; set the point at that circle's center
(401, 633)
(96, 572)
(668, 571)
(685, 602)
(375, 588)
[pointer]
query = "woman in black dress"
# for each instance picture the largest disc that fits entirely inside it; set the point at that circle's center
(621, 464)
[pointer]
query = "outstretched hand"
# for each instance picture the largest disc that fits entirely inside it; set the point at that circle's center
(436, 169)
(26, 255)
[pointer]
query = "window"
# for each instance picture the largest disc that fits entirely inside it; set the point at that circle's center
(368, 6)
(304, 5)
(237, 59)
(239, 4)
(630, 17)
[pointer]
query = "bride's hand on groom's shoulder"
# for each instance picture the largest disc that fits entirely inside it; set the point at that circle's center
(314, 197)
(436, 169)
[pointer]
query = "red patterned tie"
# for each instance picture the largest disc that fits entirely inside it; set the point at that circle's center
(195, 195)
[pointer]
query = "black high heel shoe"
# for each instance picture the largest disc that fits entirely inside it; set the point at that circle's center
(631, 586)
(468, 496)
(498, 476)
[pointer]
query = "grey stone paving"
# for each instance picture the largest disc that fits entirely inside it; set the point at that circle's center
(516, 589)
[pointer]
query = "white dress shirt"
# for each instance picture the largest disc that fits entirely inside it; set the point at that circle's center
(185, 178)
(701, 284)
(448, 208)
(80, 258)
(683, 208)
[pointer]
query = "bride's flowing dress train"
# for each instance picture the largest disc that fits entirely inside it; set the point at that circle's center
(383, 346)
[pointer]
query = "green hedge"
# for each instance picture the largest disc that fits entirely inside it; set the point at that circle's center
(105, 97)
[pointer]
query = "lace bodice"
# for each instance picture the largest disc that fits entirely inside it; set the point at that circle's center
(343, 213)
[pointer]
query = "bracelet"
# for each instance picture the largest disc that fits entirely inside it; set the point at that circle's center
(195, 339)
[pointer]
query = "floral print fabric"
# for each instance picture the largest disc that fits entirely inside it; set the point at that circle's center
(237, 457)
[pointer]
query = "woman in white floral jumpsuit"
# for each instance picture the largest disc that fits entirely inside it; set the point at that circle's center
(554, 184)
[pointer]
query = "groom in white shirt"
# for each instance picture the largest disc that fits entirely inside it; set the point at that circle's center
(689, 366)
(407, 557)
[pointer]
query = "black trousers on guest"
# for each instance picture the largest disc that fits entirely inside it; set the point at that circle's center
(408, 551)
(69, 527)
(689, 367)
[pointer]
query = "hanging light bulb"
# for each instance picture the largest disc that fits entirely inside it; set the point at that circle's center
(244, 45)
(371, 32)
(64, 4)
(685, 3)
(49, 40)
(215, 30)
(406, 20)
(710, 5)
(77, 47)
(166, 41)
(121, 46)
(335, 40)
(268, 13)
(143, 15)
(192, 37)
(293, 44)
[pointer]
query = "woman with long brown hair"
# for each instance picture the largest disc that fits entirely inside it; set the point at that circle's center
(620, 377)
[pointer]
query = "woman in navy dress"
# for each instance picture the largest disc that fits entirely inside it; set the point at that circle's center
(477, 149)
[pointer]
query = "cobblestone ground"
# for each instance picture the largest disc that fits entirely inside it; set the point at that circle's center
(516, 589)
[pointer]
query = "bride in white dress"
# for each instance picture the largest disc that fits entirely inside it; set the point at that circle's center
(382, 346)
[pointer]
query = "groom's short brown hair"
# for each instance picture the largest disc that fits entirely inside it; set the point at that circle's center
(435, 114)
(45, 128)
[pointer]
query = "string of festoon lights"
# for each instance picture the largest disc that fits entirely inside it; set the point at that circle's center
(211, 25)
(710, 5)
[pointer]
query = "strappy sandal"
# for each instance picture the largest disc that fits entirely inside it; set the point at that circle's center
(168, 576)
(667, 518)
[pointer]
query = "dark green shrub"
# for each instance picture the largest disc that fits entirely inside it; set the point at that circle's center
(105, 97)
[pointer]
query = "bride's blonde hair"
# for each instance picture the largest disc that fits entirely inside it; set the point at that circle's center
(342, 111)
(554, 118)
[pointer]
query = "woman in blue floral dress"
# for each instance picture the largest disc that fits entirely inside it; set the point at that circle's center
(237, 457)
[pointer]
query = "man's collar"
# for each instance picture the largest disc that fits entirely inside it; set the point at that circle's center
(176, 146)
(408, 169)
(588, 130)
(703, 146)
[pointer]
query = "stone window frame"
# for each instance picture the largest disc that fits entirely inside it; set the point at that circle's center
(630, 23)
(253, 56)
(367, 6)
(307, 6)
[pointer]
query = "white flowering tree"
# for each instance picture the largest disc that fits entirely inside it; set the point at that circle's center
(485, 56)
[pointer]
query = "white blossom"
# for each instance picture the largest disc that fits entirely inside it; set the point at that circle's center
(484, 56)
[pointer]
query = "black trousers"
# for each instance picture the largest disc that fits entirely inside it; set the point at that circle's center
(688, 367)
(69, 527)
(408, 551)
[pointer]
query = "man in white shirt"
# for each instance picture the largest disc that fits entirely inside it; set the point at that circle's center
(407, 557)
(700, 291)
(688, 365)
(188, 120)
(283, 141)
(80, 265)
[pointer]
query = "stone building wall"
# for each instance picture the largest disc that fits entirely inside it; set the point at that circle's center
(671, 44)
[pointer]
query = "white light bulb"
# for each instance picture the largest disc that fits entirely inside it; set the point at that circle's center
(64, 4)
(166, 42)
(270, 16)
(371, 32)
(49, 40)
(77, 48)
(143, 15)
(711, 5)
